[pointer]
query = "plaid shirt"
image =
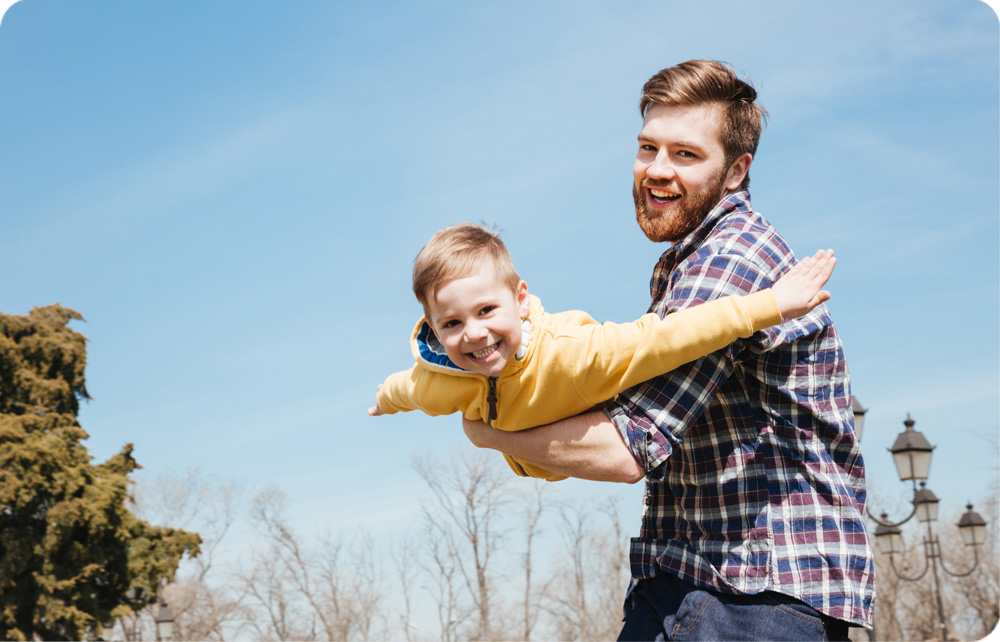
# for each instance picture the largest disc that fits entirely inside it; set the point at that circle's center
(754, 477)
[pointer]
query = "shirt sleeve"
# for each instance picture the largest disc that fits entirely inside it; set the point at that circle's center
(653, 416)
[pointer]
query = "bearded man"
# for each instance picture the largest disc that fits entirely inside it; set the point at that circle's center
(753, 520)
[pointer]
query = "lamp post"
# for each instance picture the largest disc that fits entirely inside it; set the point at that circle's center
(912, 454)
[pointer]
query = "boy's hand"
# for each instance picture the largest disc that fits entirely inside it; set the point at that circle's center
(375, 411)
(798, 291)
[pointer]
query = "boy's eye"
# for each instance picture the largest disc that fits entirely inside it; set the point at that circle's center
(450, 324)
(487, 310)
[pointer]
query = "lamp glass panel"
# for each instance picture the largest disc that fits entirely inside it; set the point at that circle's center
(975, 533)
(890, 543)
(927, 511)
(921, 464)
(164, 629)
(903, 466)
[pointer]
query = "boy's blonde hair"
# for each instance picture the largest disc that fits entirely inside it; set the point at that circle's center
(455, 252)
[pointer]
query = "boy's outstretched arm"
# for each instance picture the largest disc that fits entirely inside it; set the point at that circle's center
(800, 289)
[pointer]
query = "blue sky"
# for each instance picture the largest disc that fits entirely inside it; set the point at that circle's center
(232, 195)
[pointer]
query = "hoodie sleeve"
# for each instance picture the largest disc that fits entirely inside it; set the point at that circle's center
(614, 357)
(432, 393)
(396, 394)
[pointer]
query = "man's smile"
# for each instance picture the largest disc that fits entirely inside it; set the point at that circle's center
(661, 196)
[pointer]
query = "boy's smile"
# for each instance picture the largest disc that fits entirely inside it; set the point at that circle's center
(478, 320)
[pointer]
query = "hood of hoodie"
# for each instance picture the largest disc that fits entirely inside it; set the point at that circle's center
(429, 353)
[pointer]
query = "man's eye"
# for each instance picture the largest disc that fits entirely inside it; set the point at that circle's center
(686, 154)
(647, 148)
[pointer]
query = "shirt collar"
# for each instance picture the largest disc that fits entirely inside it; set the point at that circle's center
(737, 201)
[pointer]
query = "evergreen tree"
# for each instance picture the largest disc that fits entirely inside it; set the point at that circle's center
(70, 549)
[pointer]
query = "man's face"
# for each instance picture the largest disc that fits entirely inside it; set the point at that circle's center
(680, 170)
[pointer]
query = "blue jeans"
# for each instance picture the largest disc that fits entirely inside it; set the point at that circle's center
(666, 608)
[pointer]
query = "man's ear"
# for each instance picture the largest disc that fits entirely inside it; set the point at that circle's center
(737, 172)
(523, 301)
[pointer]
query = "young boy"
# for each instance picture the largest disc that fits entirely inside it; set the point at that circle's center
(486, 347)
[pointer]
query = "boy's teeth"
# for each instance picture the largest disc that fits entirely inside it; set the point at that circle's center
(484, 352)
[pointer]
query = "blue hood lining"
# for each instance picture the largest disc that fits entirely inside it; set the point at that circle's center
(431, 350)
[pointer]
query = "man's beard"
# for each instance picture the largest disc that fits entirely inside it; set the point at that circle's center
(683, 219)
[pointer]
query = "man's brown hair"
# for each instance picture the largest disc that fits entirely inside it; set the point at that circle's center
(710, 81)
(455, 252)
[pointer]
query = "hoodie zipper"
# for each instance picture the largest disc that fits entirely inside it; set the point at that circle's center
(492, 399)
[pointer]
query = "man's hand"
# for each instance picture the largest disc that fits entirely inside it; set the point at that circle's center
(478, 432)
(799, 290)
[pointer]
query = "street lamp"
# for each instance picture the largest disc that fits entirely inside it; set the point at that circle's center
(164, 622)
(912, 454)
(164, 618)
(973, 527)
(889, 538)
(926, 503)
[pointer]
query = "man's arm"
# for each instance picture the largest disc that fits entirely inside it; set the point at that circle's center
(587, 446)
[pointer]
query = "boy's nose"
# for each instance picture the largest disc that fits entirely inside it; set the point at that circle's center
(475, 331)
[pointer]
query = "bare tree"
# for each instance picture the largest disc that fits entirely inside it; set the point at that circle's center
(476, 555)
(585, 603)
(329, 591)
(271, 610)
(534, 503)
(404, 558)
(441, 569)
(463, 517)
(204, 606)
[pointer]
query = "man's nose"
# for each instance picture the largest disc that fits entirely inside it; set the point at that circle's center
(661, 168)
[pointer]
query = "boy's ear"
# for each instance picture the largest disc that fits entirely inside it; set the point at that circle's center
(523, 301)
(427, 320)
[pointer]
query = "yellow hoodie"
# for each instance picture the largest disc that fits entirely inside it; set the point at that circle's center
(571, 364)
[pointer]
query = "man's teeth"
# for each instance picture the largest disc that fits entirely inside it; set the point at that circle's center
(662, 194)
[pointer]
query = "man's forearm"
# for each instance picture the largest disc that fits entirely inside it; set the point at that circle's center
(587, 446)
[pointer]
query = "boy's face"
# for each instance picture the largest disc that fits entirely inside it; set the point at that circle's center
(478, 320)
(680, 169)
